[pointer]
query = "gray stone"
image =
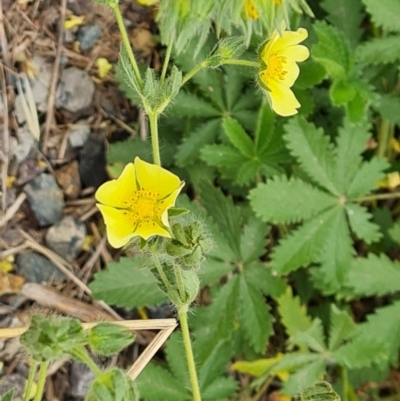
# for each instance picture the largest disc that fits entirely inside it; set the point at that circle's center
(81, 377)
(46, 199)
(37, 269)
(14, 381)
(19, 110)
(79, 134)
(66, 237)
(41, 84)
(25, 144)
(88, 35)
(75, 90)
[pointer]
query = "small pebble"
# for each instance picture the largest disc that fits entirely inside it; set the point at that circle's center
(68, 178)
(79, 134)
(23, 149)
(66, 237)
(75, 90)
(45, 198)
(87, 36)
(13, 381)
(81, 378)
(38, 269)
(41, 84)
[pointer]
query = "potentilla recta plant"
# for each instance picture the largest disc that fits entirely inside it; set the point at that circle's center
(139, 206)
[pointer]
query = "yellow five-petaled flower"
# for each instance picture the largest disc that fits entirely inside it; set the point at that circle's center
(279, 71)
(137, 203)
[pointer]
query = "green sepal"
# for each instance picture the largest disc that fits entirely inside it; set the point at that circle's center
(8, 396)
(177, 211)
(107, 338)
(320, 391)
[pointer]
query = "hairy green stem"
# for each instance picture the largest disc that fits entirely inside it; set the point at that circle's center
(166, 61)
(345, 383)
(182, 313)
(179, 283)
(194, 71)
(384, 133)
(42, 380)
(153, 117)
(127, 45)
(370, 198)
(31, 376)
(160, 271)
(247, 63)
(82, 356)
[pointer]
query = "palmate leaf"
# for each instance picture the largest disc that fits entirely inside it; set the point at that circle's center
(389, 107)
(304, 245)
(350, 143)
(313, 338)
(394, 232)
(255, 318)
(380, 50)
(221, 388)
(313, 151)
(238, 137)
(127, 283)
(332, 51)
(335, 255)
(360, 223)
(189, 149)
(212, 270)
(367, 177)
(375, 275)
(342, 328)
(347, 16)
(281, 200)
(361, 353)
(224, 213)
(253, 240)
(384, 13)
(177, 364)
(385, 325)
(168, 388)
(187, 104)
(222, 156)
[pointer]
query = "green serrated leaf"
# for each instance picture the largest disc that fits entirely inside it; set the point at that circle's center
(311, 73)
(313, 150)
(384, 13)
(221, 388)
(212, 271)
(389, 108)
(303, 245)
(320, 391)
(187, 104)
(126, 283)
(224, 213)
(379, 50)
(350, 143)
(168, 388)
(379, 274)
(347, 16)
(238, 137)
(367, 177)
(126, 151)
(253, 240)
(342, 92)
(281, 200)
(205, 133)
(360, 353)
(222, 156)
(176, 363)
(313, 338)
(293, 315)
(394, 232)
(304, 377)
(332, 51)
(342, 328)
(360, 223)
(384, 326)
(294, 361)
(256, 320)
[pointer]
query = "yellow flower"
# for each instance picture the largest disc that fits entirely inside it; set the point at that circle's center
(279, 56)
(137, 203)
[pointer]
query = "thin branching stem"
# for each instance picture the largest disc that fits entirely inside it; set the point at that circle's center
(82, 356)
(166, 61)
(371, 198)
(42, 380)
(29, 383)
(179, 282)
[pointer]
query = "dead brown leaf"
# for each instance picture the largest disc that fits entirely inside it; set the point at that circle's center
(10, 283)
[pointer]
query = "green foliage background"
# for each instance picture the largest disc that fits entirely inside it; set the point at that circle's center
(306, 256)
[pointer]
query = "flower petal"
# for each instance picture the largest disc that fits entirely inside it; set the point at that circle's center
(154, 178)
(147, 229)
(119, 229)
(115, 192)
(289, 38)
(292, 72)
(295, 53)
(283, 100)
(168, 203)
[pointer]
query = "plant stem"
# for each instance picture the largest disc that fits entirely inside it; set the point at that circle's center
(179, 283)
(166, 61)
(127, 45)
(82, 356)
(194, 71)
(160, 271)
(384, 131)
(182, 313)
(370, 198)
(247, 63)
(153, 117)
(42, 380)
(28, 387)
(345, 383)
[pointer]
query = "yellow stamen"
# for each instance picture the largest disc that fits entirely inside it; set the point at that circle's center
(275, 69)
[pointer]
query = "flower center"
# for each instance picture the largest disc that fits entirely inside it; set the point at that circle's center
(143, 205)
(275, 69)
